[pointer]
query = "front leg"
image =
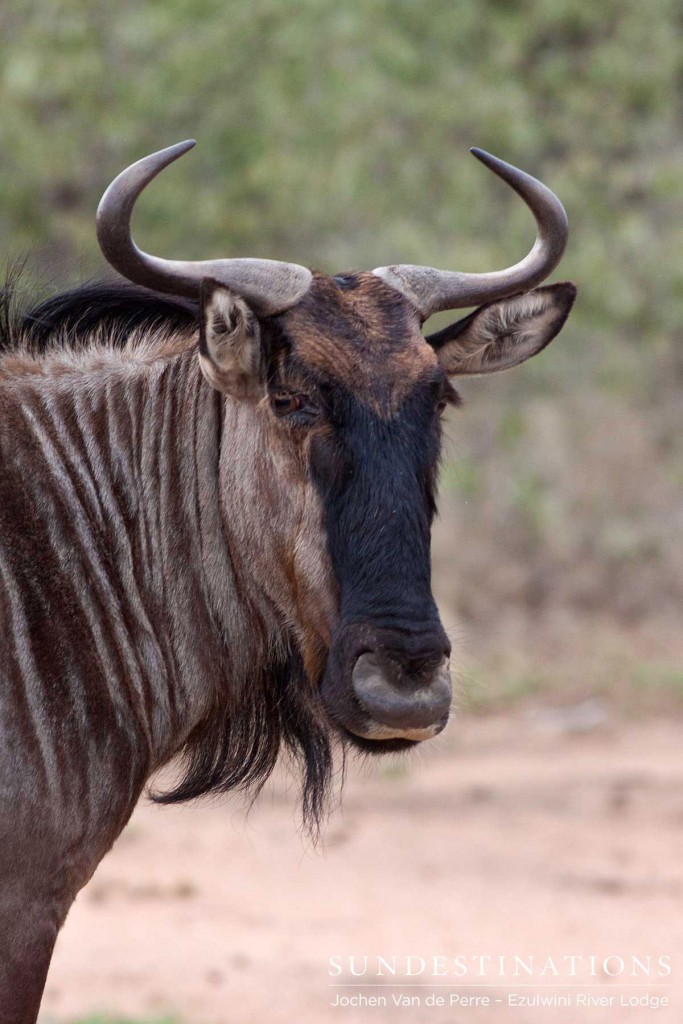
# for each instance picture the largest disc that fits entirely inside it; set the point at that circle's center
(28, 930)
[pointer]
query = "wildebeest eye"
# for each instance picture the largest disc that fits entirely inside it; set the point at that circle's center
(449, 396)
(286, 403)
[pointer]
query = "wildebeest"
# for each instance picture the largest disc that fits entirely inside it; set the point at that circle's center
(215, 514)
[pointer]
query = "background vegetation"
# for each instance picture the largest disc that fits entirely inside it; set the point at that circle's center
(336, 134)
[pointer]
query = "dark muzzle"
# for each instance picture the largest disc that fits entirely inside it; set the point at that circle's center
(400, 703)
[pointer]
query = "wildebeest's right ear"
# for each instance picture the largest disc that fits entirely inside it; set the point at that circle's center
(229, 341)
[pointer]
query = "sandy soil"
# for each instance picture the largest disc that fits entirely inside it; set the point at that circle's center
(508, 837)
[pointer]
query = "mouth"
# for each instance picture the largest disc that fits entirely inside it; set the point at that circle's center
(376, 739)
(376, 732)
(376, 747)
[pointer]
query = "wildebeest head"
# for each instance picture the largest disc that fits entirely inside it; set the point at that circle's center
(346, 394)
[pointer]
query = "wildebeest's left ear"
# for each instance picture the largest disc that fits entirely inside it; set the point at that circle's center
(229, 341)
(504, 333)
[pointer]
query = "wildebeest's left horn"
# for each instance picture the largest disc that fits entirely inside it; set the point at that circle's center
(433, 290)
(267, 285)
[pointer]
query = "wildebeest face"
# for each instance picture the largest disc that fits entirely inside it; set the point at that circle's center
(351, 394)
(350, 361)
(343, 395)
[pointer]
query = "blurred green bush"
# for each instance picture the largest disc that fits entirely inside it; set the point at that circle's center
(337, 134)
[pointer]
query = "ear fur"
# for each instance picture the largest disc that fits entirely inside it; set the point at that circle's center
(229, 341)
(504, 333)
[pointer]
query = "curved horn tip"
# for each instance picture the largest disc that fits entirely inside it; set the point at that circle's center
(488, 159)
(176, 150)
(187, 144)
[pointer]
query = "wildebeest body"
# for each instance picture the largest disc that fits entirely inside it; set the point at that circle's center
(214, 539)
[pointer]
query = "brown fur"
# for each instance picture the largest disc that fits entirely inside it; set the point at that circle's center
(367, 337)
(275, 502)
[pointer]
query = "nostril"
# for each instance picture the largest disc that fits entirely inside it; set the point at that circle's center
(423, 665)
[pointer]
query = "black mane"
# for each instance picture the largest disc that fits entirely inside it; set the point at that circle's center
(237, 746)
(72, 316)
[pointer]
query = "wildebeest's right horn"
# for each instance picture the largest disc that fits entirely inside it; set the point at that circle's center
(433, 290)
(267, 285)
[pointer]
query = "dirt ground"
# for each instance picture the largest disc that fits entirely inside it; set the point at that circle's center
(525, 835)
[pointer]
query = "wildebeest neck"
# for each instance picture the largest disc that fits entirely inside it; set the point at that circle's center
(126, 593)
